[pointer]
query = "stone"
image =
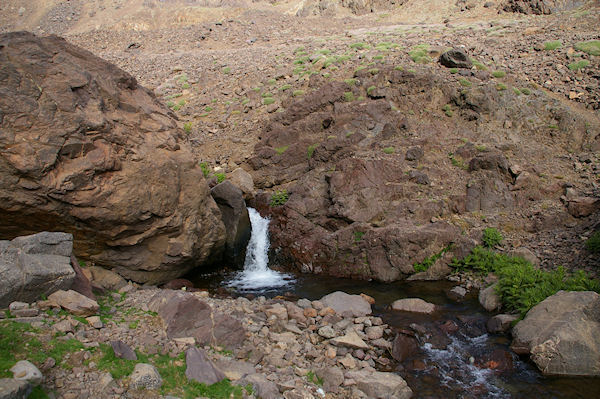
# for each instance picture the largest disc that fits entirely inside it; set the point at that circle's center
(368, 298)
(298, 393)
(185, 315)
(236, 219)
(310, 312)
(583, 206)
(526, 254)
(403, 347)
(457, 293)
(489, 299)
(14, 389)
(326, 332)
(74, 302)
(200, 368)
(295, 312)
(81, 283)
(350, 340)
(263, 388)
(122, 350)
(456, 58)
(414, 305)
(105, 279)
(560, 334)
(379, 385)
(500, 323)
(304, 303)
(348, 361)
(332, 378)
(145, 376)
(106, 381)
(277, 310)
(243, 180)
(63, 326)
(375, 332)
(34, 265)
(346, 304)
(24, 370)
(95, 322)
(234, 369)
(92, 135)
(414, 154)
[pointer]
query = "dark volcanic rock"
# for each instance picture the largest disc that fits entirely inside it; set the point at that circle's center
(87, 150)
(456, 58)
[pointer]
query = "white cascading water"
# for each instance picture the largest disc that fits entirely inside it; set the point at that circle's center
(256, 274)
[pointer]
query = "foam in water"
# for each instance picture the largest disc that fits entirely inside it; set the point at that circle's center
(457, 372)
(256, 274)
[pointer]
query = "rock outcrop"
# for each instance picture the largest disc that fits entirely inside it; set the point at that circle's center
(86, 150)
(35, 265)
(561, 334)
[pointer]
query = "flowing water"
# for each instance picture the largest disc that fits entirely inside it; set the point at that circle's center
(450, 365)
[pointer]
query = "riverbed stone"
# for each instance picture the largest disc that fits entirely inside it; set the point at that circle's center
(489, 299)
(414, 305)
(326, 332)
(74, 302)
(350, 340)
(332, 378)
(346, 304)
(500, 323)
(379, 385)
(561, 334)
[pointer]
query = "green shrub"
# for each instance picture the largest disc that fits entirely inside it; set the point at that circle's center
(350, 82)
(516, 91)
(187, 127)
(349, 96)
(285, 87)
(389, 150)
(447, 110)
(592, 47)
(358, 236)
(491, 237)
(453, 70)
(520, 285)
(359, 46)
(419, 54)
(220, 177)
(226, 70)
(593, 243)
(501, 87)
(279, 198)
(430, 260)
(282, 149)
(479, 65)
(271, 81)
(498, 74)
(268, 100)
(297, 93)
(464, 82)
(310, 150)
(374, 71)
(552, 45)
(525, 91)
(370, 89)
(205, 169)
(575, 66)
(398, 68)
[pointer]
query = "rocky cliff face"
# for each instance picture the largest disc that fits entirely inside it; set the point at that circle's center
(85, 149)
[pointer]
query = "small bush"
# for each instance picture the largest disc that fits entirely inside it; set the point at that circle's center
(575, 66)
(525, 91)
(285, 87)
(447, 110)
(430, 260)
(268, 100)
(389, 150)
(501, 87)
(479, 65)
(464, 82)
(220, 177)
(282, 149)
(370, 89)
(498, 74)
(349, 96)
(205, 169)
(516, 91)
(453, 70)
(310, 150)
(398, 68)
(279, 198)
(491, 237)
(592, 47)
(187, 127)
(419, 54)
(552, 45)
(374, 71)
(297, 93)
(593, 243)
(350, 82)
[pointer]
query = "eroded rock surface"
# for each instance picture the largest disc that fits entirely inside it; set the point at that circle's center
(86, 150)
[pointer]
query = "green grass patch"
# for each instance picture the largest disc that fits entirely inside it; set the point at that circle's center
(268, 100)
(312, 377)
(521, 286)
(374, 71)
(350, 82)
(310, 150)
(398, 68)
(389, 150)
(453, 71)
(516, 91)
(525, 91)
(349, 96)
(297, 93)
(220, 177)
(370, 89)
(282, 149)
(226, 70)
(205, 169)
(575, 66)
(419, 54)
(430, 260)
(501, 87)
(552, 45)
(359, 46)
(279, 198)
(593, 243)
(457, 161)
(465, 83)
(479, 65)
(498, 74)
(271, 81)
(285, 87)
(302, 60)
(592, 47)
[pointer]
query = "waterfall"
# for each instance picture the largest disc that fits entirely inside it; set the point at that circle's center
(256, 274)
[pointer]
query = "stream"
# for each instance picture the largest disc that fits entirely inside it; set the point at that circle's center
(455, 357)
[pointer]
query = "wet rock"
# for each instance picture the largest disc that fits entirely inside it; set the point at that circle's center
(14, 389)
(200, 368)
(122, 350)
(489, 299)
(456, 58)
(500, 323)
(145, 376)
(234, 215)
(90, 182)
(380, 385)
(74, 302)
(403, 347)
(449, 327)
(24, 370)
(499, 360)
(415, 305)
(457, 293)
(560, 334)
(346, 304)
(35, 265)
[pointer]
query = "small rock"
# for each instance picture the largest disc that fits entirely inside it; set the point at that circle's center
(332, 378)
(351, 340)
(348, 361)
(14, 389)
(264, 388)
(145, 376)
(95, 322)
(304, 303)
(342, 303)
(122, 350)
(500, 323)
(200, 368)
(374, 332)
(310, 312)
(415, 305)
(414, 154)
(74, 302)
(457, 293)
(489, 299)
(456, 58)
(24, 370)
(326, 332)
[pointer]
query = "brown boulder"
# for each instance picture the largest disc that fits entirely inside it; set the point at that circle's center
(88, 151)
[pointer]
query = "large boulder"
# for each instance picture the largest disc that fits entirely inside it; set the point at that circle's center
(87, 150)
(235, 216)
(185, 315)
(561, 334)
(35, 265)
(456, 58)
(346, 304)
